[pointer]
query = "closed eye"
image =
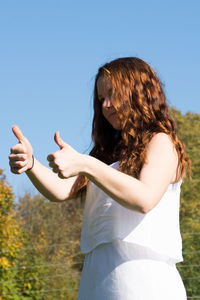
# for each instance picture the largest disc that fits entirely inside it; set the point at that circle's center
(101, 100)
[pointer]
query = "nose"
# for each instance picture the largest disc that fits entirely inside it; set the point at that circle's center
(107, 102)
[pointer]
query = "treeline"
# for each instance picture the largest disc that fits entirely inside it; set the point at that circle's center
(39, 240)
(40, 254)
(188, 128)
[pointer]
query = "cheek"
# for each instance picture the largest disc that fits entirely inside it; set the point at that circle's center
(103, 112)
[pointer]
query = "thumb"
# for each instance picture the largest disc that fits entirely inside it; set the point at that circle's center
(58, 140)
(17, 132)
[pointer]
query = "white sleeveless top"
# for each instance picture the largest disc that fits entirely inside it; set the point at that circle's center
(105, 220)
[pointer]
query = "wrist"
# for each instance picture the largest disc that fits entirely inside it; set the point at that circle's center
(90, 166)
(85, 164)
(32, 165)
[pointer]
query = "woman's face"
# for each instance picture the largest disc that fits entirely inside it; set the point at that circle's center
(104, 90)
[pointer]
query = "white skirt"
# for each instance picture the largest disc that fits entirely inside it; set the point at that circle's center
(112, 272)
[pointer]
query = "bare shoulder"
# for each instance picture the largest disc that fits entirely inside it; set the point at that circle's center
(161, 158)
(162, 141)
(161, 137)
(159, 169)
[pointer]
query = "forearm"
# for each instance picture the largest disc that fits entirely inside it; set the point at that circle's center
(126, 190)
(49, 184)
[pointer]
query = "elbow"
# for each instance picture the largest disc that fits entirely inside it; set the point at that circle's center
(56, 198)
(147, 202)
(53, 199)
(60, 198)
(145, 209)
(139, 208)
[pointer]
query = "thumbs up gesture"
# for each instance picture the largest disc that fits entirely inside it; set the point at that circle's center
(66, 162)
(20, 158)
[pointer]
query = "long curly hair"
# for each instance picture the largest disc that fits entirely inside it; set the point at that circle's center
(140, 102)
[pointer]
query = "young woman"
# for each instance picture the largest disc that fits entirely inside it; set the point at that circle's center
(131, 180)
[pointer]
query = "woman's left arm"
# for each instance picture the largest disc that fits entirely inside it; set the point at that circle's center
(139, 195)
(143, 194)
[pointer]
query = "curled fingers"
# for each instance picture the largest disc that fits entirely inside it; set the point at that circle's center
(18, 149)
(18, 170)
(54, 167)
(18, 163)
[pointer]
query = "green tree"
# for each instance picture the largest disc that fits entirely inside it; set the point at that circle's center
(10, 242)
(18, 280)
(188, 128)
(54, 234)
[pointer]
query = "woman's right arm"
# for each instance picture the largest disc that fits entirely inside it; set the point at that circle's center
(49, 184)
(44, 179)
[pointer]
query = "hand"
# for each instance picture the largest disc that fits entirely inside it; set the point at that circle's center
(20, 159)
(66, 162)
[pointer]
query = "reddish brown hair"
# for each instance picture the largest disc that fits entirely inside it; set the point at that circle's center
(140, 102)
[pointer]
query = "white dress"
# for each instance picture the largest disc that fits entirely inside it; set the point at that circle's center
(130, 255)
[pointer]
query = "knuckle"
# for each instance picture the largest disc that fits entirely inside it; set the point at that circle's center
(56, 162)
(12, 149)
(24, 157)
(53, 156)
(15, 164)
(18, 148)
(55, 170)
(20, 164)
(15, 170)
(50, 157)
(11, 163)
(60, 175)
(21, 170)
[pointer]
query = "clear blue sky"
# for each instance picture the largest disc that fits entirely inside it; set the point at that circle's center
(50, 52)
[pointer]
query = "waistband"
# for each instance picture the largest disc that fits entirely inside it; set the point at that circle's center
(131, 251)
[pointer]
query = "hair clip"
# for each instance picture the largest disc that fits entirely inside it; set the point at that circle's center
(106, 70)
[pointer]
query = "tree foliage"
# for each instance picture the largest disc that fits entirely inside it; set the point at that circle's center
(188, 128)
(9, 241)
(53, 230)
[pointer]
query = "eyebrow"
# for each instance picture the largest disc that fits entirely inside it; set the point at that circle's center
(109, 90)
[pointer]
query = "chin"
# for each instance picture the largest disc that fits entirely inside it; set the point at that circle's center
(114, 123)
(116, 126)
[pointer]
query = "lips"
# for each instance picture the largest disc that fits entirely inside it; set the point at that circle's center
(112, 114)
